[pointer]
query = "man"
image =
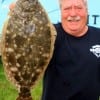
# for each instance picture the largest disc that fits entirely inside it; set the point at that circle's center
(73, 72)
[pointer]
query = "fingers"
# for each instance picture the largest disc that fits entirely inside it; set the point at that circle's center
(12, 5)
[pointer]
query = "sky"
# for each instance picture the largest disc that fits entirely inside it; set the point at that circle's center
(52, 8)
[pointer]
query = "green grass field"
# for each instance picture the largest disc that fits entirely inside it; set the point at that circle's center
(9, 92)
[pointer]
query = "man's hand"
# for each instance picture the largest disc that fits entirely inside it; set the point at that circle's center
(11, 7)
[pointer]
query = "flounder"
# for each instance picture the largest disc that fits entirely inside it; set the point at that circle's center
(27, 45)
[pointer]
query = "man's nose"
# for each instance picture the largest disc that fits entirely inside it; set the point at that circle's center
(73, 12)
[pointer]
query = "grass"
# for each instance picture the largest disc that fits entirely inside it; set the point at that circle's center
(9, 92)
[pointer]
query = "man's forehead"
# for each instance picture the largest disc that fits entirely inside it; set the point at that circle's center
(75, 2)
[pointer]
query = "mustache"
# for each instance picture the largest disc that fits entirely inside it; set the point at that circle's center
(74, 18)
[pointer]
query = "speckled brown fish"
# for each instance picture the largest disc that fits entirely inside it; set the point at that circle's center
(27, 45)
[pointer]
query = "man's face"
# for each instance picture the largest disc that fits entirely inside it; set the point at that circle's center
(73, 15)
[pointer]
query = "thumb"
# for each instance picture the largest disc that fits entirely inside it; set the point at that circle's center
(12, 5)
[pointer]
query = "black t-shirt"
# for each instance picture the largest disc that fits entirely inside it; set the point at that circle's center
(74, 67)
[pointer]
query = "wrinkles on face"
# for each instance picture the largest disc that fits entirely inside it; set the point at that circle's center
(74, 16)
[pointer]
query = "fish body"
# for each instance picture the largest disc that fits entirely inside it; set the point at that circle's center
(27, 44)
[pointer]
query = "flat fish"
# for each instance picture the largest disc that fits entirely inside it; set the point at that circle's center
(27, 45)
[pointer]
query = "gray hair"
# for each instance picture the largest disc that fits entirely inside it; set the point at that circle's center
(84, 1)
